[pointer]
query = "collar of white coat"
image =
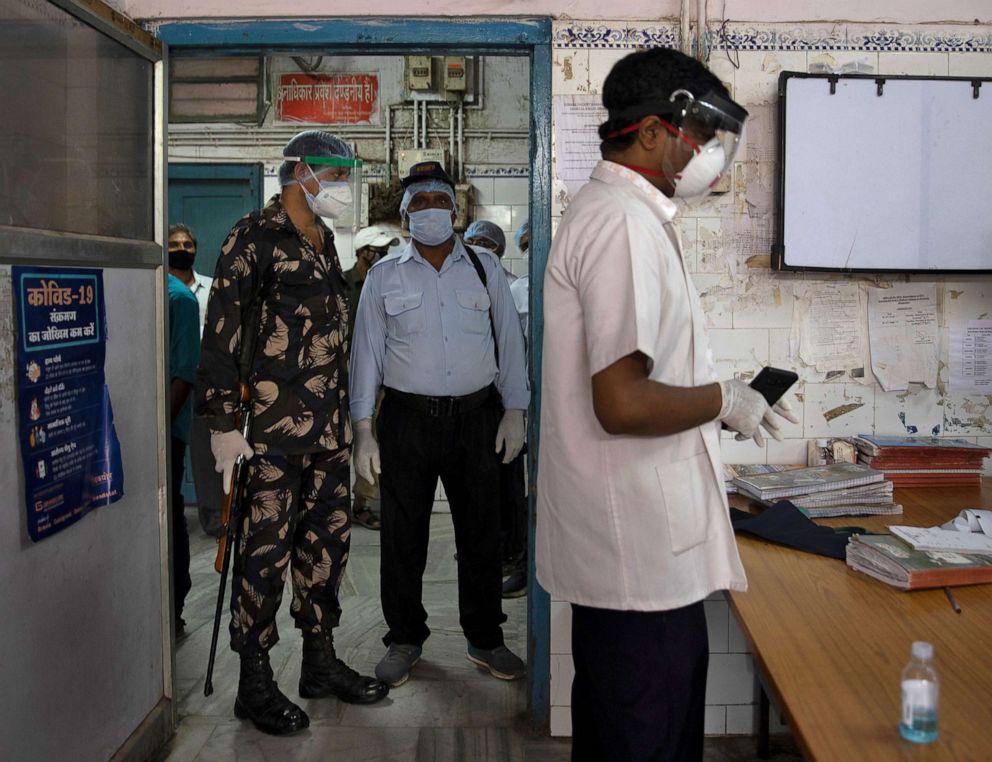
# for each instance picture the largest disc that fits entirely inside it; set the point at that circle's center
(411, 252)
(616, 174)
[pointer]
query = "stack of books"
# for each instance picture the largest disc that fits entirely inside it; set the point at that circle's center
(923, 461)
(897, 563)
(838, 489)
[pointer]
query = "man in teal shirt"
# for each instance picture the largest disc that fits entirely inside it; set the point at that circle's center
(184, 357)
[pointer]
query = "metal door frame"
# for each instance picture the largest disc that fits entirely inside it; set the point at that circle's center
(470, 36)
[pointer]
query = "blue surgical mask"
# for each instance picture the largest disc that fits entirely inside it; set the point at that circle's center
(431, 227)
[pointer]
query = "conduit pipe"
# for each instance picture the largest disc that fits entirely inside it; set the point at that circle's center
(701, 31)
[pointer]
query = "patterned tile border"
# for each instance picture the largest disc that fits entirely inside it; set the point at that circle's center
(814, 37)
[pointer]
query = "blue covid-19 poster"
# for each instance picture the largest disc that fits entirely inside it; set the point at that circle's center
(69, 449)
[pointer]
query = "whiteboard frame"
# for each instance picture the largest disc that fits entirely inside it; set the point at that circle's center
(981, 85)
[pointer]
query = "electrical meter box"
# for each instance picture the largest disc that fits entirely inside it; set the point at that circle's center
(418, 72)
(455, 78)
(407, 157)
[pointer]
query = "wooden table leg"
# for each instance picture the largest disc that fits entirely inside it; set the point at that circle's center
(763, 712)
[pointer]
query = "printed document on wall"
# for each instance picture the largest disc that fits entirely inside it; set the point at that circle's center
(828, 325)
(577, 120)
(902, 331)
(971, 357)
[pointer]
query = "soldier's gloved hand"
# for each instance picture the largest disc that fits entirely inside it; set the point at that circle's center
(366, 454)
(510, 434)
(226, 447)
(744, 410)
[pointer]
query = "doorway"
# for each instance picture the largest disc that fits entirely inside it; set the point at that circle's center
(528, 40)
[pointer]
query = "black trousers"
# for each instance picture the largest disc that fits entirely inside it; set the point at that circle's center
(639, 692)
(181, 582)
(416, 450)
(513, 508)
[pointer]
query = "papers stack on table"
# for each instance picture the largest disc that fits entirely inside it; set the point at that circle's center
(923, 461)
(838, 489)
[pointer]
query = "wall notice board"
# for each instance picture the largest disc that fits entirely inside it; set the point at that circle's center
(884, 173)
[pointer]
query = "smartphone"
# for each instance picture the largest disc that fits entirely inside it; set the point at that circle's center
(772, 383)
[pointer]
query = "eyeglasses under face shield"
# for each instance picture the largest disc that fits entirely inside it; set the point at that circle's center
(711, 125)
(341, 170)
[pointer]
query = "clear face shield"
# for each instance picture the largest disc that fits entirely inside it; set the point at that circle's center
(712, 127)
(339, 197)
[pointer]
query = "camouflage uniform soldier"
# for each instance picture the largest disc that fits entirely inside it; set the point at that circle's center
(298, 476)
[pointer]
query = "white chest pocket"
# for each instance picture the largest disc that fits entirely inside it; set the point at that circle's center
(404, 313)
(474, 313)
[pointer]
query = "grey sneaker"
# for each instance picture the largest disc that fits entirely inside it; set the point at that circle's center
(394, 668)
(501, 662)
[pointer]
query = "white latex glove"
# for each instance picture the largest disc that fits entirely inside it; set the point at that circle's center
(510, 434)
(366, 451)
(226, 447)
(744, 410)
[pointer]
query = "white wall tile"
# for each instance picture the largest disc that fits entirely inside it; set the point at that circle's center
(821, 400)
(756, 81)
(570, 72)
(739, 350)
(747, 451)
(914, 412)
(764, 301)
(561, 721)
(742, 720)
(483, 191)
(715, 720)
(717, 614)
(788, 450)
(497, 214)
(562, 674)
(519, 214)
(736, 643)
(511, 190)
(600, 63)
(730, 679)
(843, 61)
(921, 64)
(967, 414)
(716, 294)
(969, 65)
(710, 254)
(561, 627)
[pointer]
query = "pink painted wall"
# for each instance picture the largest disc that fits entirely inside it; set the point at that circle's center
(892, 11)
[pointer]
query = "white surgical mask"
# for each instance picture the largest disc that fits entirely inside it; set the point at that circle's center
(431, 226)
(703, 169)
(332, 200)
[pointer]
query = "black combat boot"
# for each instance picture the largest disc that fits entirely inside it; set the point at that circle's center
(324, 674)
(261, 701)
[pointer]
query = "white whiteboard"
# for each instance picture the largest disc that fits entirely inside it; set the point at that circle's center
(898, 181)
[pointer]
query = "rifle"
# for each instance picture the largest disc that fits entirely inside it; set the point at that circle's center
(232, 511)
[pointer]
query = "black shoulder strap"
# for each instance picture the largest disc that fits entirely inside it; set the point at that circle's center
(485, 284)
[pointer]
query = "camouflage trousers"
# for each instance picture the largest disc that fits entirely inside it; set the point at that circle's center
(297, 518)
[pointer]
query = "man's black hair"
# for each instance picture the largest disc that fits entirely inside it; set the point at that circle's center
(180, 227)
(650, 75)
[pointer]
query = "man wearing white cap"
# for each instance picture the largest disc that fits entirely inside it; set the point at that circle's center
(371, 245)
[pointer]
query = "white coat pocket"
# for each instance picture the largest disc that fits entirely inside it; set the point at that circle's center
(687, 487)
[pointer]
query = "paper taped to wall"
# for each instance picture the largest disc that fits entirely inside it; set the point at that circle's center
(577, 120)
(971, 357)
(902, 330)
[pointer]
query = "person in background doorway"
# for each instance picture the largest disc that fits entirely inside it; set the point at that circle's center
(206, 481)
(184, 355)
(513, 481)
(371, 244)
(513, 492)
(430, 323)
(489, 236)
(182, 255)
(282, 259)
(633, 527)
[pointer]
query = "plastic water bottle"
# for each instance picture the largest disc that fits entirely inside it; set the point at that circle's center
(920, 691)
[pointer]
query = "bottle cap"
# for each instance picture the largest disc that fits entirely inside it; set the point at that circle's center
(922, 650)
(822, 442)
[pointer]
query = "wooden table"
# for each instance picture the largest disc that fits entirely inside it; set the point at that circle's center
(830, 643)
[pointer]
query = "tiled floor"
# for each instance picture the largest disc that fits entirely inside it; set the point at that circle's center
(447, 711)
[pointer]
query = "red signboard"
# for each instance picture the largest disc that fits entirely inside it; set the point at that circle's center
(328, 98)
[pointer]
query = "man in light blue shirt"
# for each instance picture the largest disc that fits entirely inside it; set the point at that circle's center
(436, 327)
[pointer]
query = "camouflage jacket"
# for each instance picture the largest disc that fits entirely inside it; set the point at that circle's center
(298, 380)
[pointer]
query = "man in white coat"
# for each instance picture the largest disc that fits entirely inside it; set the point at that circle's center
(633, 528)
